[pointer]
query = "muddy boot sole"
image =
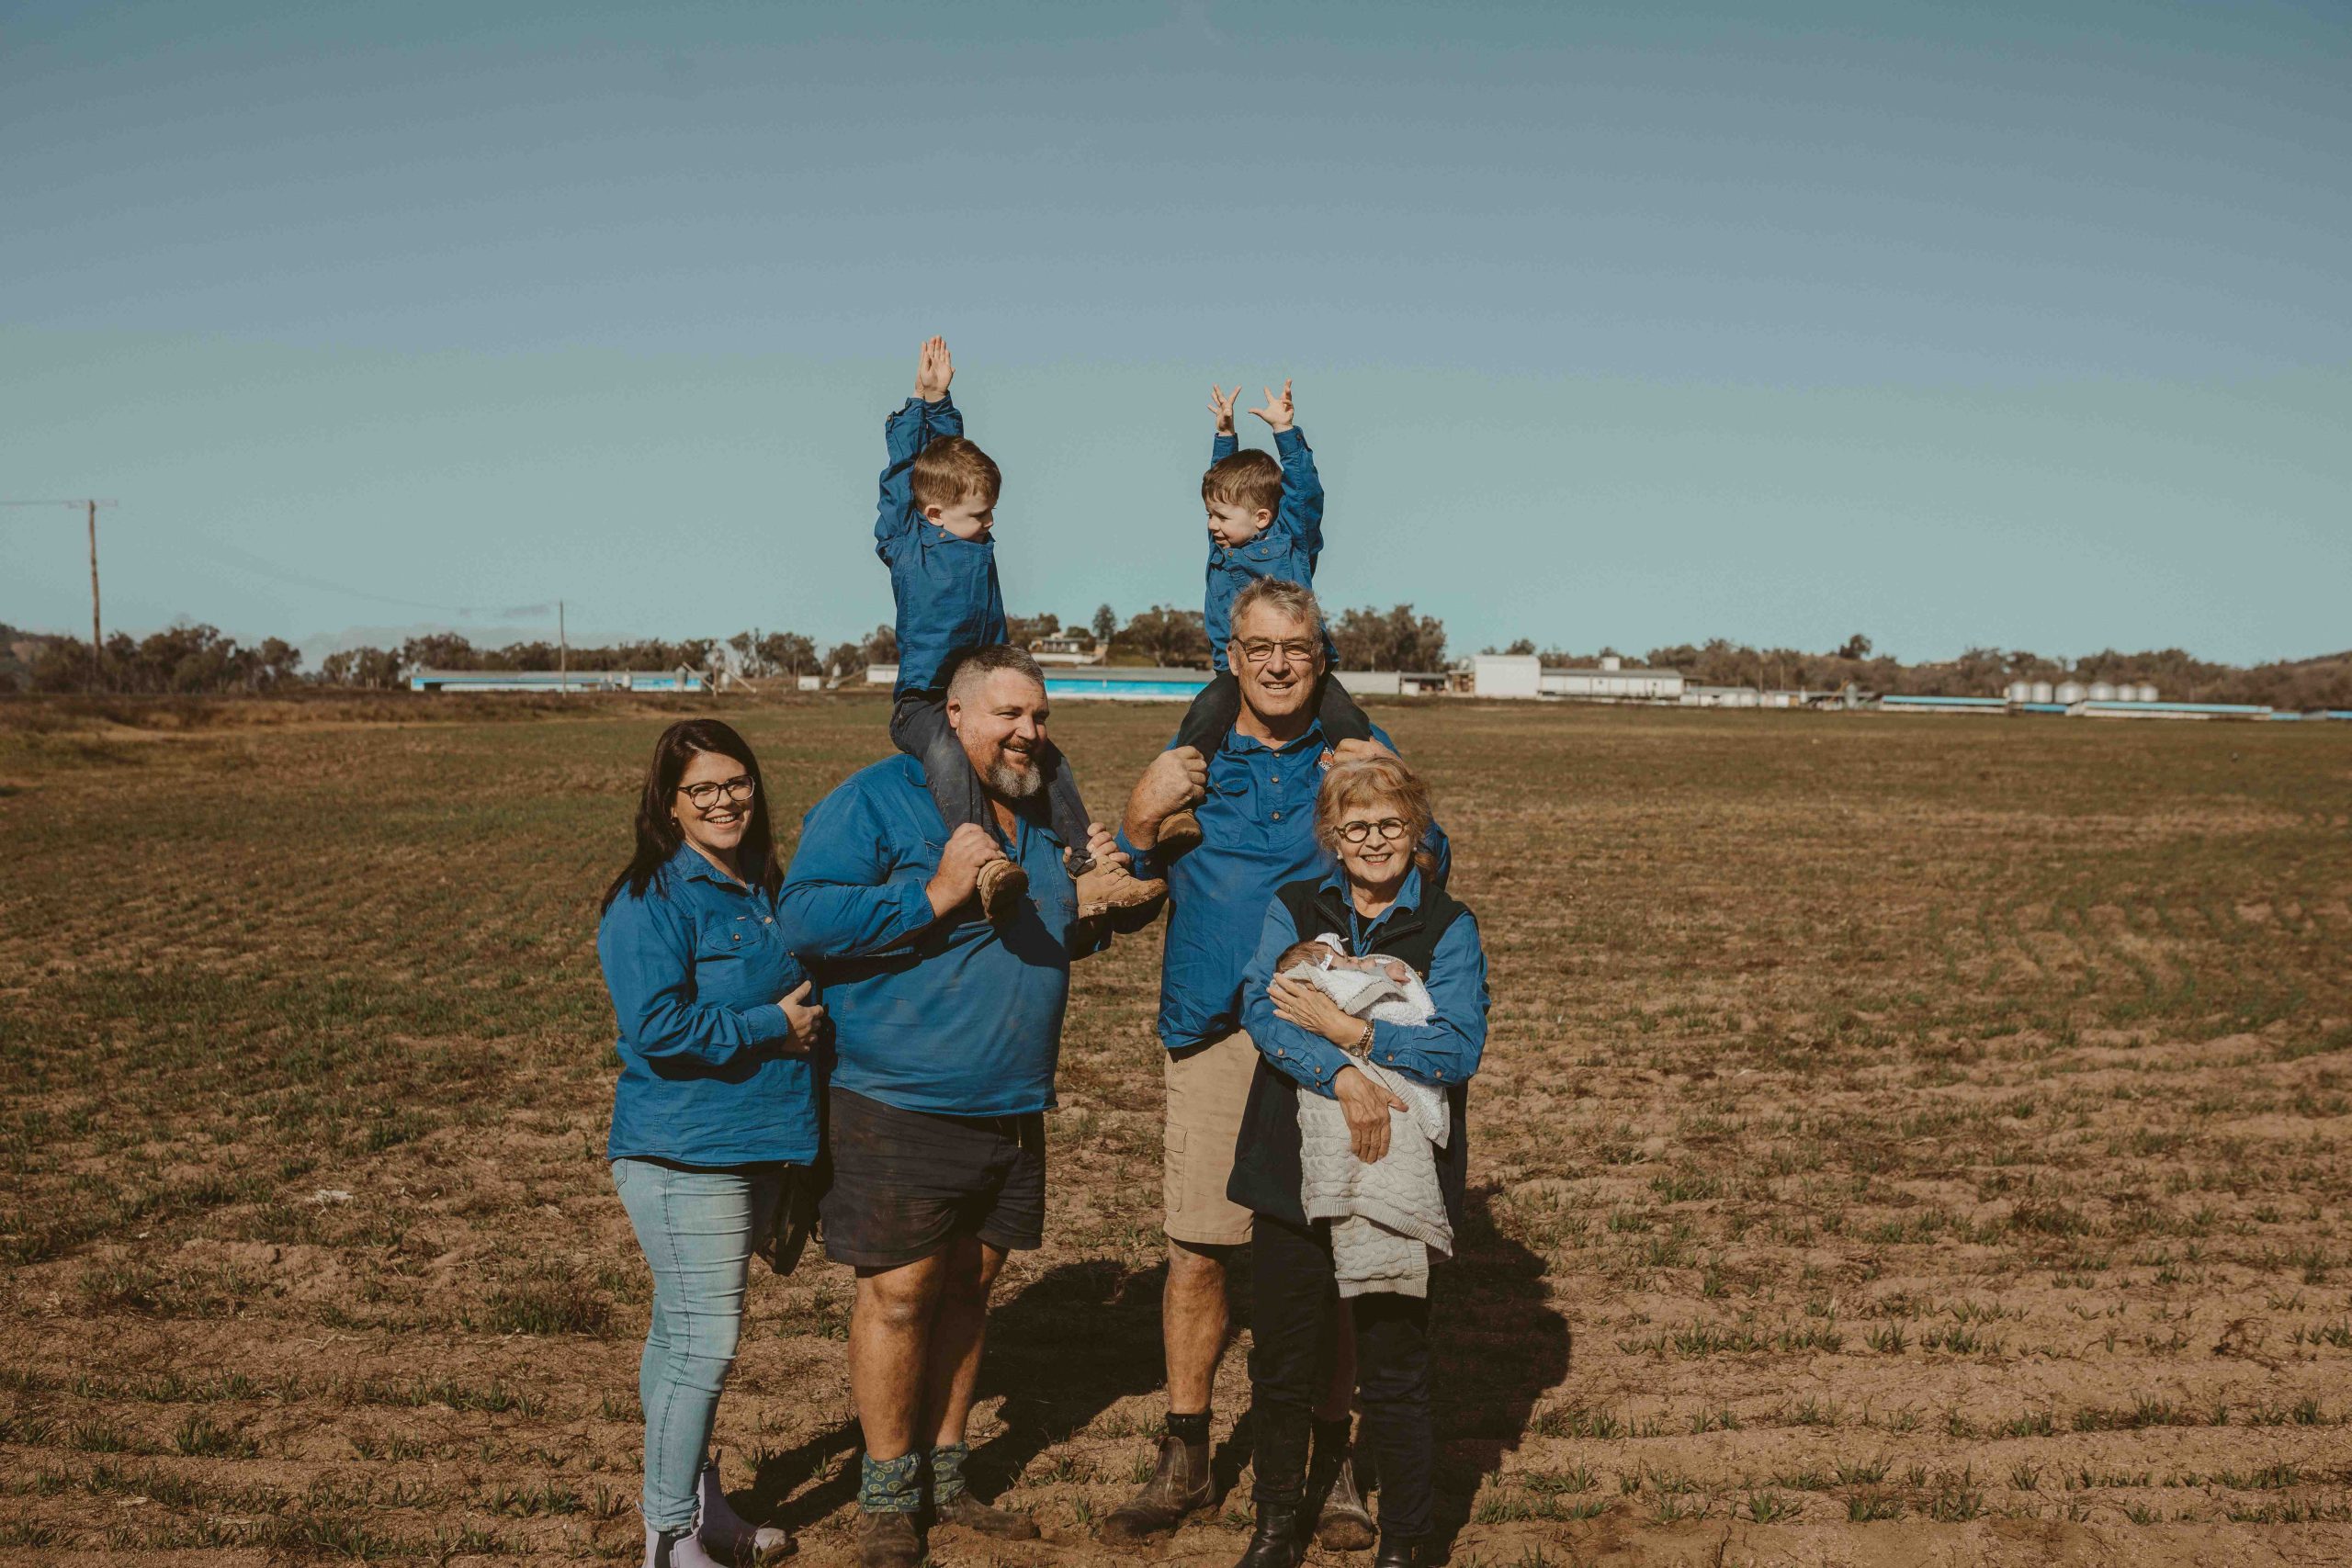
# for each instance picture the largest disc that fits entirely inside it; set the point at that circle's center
(1179, 832)
(1004, 890)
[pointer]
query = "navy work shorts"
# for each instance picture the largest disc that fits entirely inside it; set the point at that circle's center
(907, 1182)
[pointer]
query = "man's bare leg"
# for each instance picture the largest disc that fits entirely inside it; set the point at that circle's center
(890, 1327)
(1194, 1317)
(957, 1334)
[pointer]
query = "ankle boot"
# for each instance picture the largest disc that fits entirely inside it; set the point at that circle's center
(1401, 1551)
(1279, 1541)
(730, 1538)
(1004, 891)
(678, 1549)
(1179, 1483)
(1344, 1524)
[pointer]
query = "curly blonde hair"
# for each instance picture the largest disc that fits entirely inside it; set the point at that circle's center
(1368, 779)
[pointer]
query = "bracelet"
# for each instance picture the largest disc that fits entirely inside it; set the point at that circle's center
(1363, 1047)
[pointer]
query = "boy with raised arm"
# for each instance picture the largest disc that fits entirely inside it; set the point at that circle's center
(935, 530)
(1265, 520)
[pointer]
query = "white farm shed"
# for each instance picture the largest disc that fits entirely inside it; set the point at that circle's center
(1506, 675)
(1612, 682)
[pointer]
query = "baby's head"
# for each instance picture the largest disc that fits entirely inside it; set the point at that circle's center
(955, 485)
(1314, 955)
(1241, 493)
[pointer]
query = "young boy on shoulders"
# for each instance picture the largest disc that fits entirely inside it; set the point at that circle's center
(935, 530)
(1265, 520)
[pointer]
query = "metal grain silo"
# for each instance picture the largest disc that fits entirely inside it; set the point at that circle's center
(2069, 691)
(2020, 690)
(2145, 691)
(2041, 691)
(2102, 691)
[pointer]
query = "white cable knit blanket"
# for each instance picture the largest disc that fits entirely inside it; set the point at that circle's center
(1385, 1217)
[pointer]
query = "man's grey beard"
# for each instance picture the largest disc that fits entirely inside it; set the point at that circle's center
(1015, 783)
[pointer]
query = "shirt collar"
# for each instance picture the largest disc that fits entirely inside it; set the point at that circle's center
(1409, 896)
(1243, 744)
(688, 862)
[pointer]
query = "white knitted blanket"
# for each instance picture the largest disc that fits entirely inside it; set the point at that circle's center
(1386, 1216)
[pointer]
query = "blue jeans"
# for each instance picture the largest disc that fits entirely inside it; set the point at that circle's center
(695, 1227)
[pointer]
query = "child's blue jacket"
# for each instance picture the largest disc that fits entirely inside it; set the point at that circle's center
(1286, 549)
(944, 588)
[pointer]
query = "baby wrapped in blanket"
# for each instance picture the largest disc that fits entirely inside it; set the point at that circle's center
(1385, 1216)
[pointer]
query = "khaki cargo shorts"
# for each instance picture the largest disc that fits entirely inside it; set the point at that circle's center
(1208, 1087)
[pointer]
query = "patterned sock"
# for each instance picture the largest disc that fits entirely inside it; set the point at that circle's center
(1192, 1430)
(891, 1485)
(947, 1473)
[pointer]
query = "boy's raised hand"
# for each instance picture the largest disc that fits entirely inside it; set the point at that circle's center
(1278, 412)
(1221, 404)
(934, 370)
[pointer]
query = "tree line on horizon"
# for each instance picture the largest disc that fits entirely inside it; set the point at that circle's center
(198, 660)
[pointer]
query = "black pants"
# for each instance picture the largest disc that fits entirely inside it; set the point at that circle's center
(1212, 713)
(1292, 1326)
(919, 727)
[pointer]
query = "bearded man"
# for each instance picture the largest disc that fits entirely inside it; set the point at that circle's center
(947, 1032)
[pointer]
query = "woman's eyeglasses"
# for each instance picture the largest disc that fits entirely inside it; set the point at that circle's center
(705, 796)
(1387, 827)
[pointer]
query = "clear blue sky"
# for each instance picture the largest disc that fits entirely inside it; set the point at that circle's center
(2023, 325)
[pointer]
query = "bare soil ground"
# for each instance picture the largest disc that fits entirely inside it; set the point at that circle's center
(1904, 1141)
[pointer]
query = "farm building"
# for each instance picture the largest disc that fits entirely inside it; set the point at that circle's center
(1118, 683)
(1612, 682)
(679, 680)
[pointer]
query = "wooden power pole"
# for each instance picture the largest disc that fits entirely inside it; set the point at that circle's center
(90, 509)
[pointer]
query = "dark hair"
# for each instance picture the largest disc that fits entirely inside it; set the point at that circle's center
(657, 829)
(952, 470)
(1248, 479)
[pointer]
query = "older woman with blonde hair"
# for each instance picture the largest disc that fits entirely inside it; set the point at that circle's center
(1381, 899)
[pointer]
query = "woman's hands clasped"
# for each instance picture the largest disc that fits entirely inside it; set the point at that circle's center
(806, 1017)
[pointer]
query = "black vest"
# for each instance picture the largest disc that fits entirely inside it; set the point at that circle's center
(1266, 1175)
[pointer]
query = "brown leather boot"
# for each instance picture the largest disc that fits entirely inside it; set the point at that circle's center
(1179, 832)
(1179, 1483)
(889, 1541)
(1104, 889)
(969, 1513)
(1003, 889)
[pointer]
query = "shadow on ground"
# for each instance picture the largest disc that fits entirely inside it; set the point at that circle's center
(1498, 1344)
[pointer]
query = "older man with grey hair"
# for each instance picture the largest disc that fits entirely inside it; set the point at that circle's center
(1256, 796)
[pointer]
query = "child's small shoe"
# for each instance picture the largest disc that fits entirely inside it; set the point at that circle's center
(1112, 889)
(1004, 891)
(1179, 832)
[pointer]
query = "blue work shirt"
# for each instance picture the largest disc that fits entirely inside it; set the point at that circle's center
(696, 968)
(1257, 834)
(944, 588)
(953, 1016)
(1286, 549)
(1445, 1051)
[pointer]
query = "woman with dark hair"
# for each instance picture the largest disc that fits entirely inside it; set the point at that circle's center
(717, 1097)
(1382, 899)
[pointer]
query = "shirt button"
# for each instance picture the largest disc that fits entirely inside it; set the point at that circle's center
(1278, 816)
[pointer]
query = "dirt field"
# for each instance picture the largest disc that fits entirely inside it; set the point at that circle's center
(1903, 1141)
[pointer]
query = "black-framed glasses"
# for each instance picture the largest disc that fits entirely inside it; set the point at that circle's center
(1387, 827)
(741, 787)
(1257, 651)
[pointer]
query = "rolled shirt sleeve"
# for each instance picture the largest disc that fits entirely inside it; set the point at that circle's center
(839, 893)
(1447, 1049)
(647, 950)
(1306, 1058)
